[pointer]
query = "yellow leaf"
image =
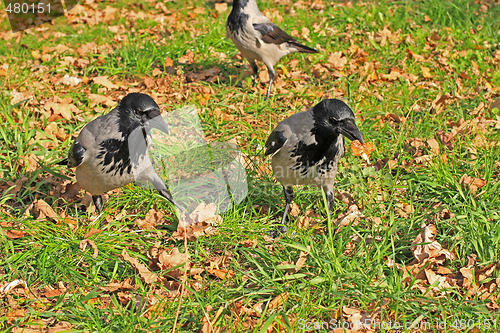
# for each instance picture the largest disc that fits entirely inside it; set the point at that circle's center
(148, 276)
(221, 7)
(36, 54)
(104, 81)
(426, 72)
(278, 300)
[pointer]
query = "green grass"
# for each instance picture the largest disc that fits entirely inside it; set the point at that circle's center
(459, 43)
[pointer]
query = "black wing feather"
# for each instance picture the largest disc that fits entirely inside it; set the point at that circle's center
(272, 34)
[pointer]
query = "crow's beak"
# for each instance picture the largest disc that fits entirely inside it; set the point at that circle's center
(351, 131)
(158, 123)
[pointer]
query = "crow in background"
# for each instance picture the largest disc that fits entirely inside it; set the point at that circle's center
(258, 38)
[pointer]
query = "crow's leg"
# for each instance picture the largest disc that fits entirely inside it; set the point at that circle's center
(270, 70)
(288, 199)
(255, 70)
(330, 199)
(97, 200)
(288, 190)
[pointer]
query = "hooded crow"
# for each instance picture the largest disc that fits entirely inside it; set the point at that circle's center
(101, 152)
(306, 148)
(258, 38)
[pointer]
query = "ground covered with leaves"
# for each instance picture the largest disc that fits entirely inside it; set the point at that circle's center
(413, 245)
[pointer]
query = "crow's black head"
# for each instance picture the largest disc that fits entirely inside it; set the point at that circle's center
(337, 116)
(138, 109)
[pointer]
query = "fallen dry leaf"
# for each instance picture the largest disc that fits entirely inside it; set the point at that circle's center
(350, 311)
(415, 56)
(4, 290)
(156, 71)
(472, 183)
(65, 110)
(441, 101)
(192, 232)
(92, 232)
(96, 99)
(337, 60)
(221, 7)
(85, 242)
(72, 192)
(71, 80)
(432, 251)
(424, 159)
(148, 276)
(486, 272)
(168, 259)
(294, 209)
(15, 314)
(14, 187)
(443, 270)
(200, 222)
(279, 300)
(114, 286)
(221, 273)
(304, 222)
(61, 326)
(362, 150)
(249, 242)
(351, 216)
(471, 260)
(426, 72)
(201, 213)
(54, 292)
(438, 282)
(434, 146)
(9, 232)
(188, 58)
(302, 259)
(169, 62)
(393, 75)
(151, 220)
(105, 82)
(43, 210)
(24, 330)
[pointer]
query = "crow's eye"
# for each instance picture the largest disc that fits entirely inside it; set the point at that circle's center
(139, 113)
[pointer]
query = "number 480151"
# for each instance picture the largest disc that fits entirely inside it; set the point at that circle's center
(24, 8)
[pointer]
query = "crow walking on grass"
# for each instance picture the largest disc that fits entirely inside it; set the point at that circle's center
(307, 146)
(101, 153)
(258, 38)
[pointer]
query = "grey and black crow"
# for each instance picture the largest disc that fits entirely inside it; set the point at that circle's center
(307, 146)
(101, 152)
(258, 38)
